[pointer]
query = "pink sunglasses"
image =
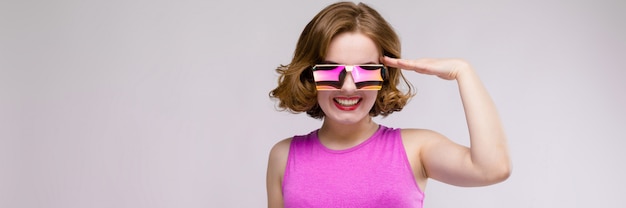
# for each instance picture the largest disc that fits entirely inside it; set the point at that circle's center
(366, 76)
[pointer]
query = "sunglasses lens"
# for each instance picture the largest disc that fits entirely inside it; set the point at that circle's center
(368, 77)
(327, 76)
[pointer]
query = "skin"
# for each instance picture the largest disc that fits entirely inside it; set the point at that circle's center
(431, 155)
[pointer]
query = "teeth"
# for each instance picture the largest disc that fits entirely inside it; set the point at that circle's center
(347, 102)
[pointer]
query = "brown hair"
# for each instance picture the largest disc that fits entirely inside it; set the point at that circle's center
(296, 88)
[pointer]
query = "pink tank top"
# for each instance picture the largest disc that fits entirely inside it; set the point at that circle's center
(375, 173)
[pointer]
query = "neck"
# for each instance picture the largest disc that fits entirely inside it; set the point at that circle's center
(336, 135)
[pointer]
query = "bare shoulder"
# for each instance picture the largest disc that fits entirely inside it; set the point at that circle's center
(280, 151)
(275, 172)
(417, 141)
(420, 136)
(278, 159)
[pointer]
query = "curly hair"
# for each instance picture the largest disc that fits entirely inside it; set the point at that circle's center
(296, 89)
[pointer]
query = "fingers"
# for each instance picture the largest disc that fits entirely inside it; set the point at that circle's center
(418, 65)
(396, 63)
(444, 68)
(393, 62)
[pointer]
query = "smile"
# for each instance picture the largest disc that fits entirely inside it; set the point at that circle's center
(347, 103)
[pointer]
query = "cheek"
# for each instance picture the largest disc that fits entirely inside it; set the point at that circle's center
(371, 94)
(322, 96)
(371, 97)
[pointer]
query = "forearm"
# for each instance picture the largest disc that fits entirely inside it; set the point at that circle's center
(488, 145)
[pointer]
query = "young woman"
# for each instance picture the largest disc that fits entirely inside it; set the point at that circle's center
(345, 70)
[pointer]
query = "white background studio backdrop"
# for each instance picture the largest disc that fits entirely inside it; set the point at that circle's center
(165, 103)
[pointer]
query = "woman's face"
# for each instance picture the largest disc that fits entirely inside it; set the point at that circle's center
(349, 105)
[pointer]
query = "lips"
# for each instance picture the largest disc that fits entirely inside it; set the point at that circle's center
(347, 103)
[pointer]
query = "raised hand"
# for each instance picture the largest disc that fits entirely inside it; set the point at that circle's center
(448, 69)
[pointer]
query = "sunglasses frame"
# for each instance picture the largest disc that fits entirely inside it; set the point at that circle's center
(371, 84)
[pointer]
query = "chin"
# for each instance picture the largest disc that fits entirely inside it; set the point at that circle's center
(349, 119)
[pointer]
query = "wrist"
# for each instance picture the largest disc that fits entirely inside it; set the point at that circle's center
(463, 69)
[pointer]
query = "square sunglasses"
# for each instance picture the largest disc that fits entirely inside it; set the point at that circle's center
(365, 76)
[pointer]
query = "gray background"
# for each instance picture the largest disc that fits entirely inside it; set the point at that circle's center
(140, 103)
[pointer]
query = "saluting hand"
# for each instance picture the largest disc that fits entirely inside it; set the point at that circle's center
(448, 69)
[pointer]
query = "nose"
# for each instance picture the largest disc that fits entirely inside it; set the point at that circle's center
(348, 83)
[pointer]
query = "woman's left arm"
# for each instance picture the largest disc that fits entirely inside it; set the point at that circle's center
(486, 161)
